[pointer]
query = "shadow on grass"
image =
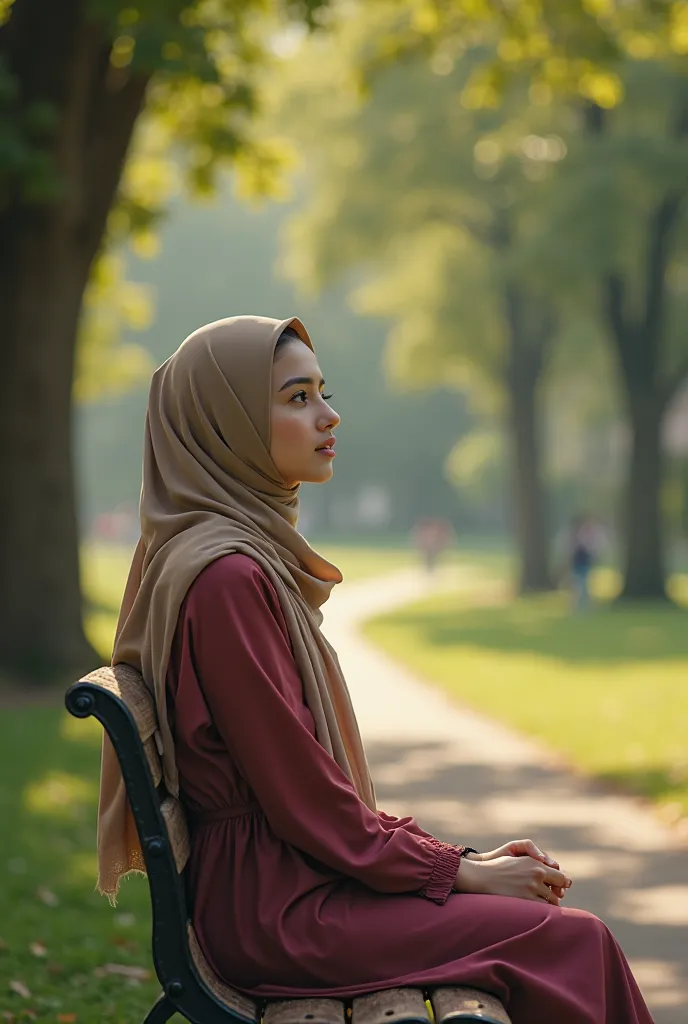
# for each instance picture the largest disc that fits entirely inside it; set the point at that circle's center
(659, 783)
(545, 626)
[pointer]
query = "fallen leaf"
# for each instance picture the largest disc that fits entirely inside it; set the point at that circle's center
(125, 920)
(20, 988)
(38, 949)
(131, 945)
(125, 970)
(47, 896)
(66, 1018)
(54, 967)
(3, 948)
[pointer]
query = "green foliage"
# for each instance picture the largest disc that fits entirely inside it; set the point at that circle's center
(205, 61)
(441, 202)
(568, 47)
(112, 305)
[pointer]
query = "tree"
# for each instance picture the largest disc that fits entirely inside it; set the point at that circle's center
(588, 55)
(629, 163)
(433, 199)
(76, 79)
(622, 64)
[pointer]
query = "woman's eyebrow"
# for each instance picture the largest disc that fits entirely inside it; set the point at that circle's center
(300, 380)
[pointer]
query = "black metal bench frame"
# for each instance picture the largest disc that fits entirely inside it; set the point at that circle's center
(184, 991)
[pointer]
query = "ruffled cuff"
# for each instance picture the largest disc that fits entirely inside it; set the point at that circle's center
(445, 868)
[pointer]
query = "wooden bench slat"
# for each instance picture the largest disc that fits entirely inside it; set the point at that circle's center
(452, 1005)
(391, 1006)
(243, 1006)
(305, 1011)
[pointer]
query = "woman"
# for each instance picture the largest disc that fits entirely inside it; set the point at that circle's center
(299, 885)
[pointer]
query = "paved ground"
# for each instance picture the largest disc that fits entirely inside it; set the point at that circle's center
(468, 779)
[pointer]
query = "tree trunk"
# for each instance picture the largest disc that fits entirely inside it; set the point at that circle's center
(527, 343)
(56, 55)
(644, 570)
(41, 635)
(639, 342)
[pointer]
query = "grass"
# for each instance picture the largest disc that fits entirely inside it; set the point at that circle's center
(56, 933)
(105, 567)
(608, 689)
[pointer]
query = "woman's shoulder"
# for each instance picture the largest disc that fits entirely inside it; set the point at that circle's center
(234, 568)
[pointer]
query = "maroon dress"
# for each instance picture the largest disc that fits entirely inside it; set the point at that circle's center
(298, 888)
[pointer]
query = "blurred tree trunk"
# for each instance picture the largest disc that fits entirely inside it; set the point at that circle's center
(638, 352)
(46, 251)
(639, 341)
(529, 335)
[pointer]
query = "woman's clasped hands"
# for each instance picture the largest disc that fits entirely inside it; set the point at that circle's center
(516, 869)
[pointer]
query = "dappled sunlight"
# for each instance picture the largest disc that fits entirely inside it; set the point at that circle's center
(81, 868)
(60, 795)
(661, 904)
(544, 626)
(661, 981)
(104, 569)
(100, 631)
(81, 730)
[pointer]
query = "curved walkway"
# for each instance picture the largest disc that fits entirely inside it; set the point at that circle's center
(470, 780)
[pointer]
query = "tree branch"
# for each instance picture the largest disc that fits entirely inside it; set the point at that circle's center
(662, 223)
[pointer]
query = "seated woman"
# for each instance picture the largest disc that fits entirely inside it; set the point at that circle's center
(299, 884)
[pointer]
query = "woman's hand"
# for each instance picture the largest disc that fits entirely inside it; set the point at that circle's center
(520, 876)
(522, 848)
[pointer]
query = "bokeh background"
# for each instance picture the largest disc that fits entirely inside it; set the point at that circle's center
(480, 212)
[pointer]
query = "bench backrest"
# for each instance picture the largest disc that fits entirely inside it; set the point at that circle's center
(120, 700)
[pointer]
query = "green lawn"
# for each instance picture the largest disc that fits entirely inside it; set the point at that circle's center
(105, 567)
(608, 688)
(56, 933)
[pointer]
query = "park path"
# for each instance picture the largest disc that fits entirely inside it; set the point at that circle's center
(469, 779)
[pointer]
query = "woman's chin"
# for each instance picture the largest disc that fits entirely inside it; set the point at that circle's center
(320, 476)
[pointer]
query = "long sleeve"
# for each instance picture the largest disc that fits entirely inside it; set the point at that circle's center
(234, 625)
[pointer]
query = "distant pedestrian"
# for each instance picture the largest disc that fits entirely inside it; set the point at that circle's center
(432, 536)
(586, 539)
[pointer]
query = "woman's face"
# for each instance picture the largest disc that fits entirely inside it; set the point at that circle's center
(300, 419)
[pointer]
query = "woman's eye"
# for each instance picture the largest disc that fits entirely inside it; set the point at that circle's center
(304, 395)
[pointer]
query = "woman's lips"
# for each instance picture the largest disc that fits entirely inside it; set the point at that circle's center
(325, 451)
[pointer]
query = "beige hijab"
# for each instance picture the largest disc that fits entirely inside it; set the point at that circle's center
(210, 488)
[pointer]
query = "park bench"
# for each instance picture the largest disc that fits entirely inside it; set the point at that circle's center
(119, 699)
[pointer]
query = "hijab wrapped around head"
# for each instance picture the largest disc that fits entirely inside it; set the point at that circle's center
(210, 488)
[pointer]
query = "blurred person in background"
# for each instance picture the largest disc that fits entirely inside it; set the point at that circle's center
(581, 544)
(432, 537)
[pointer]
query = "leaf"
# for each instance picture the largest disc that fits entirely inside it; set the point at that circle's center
(66, 1018)
(37, 949)
(20, 988)
(125, 970)
(3, 946)
(46, 896)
